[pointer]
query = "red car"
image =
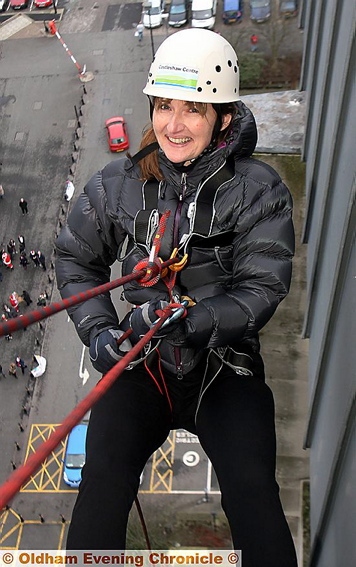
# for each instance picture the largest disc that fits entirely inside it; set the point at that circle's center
(18, 4)
(118, 139)
(43, 3)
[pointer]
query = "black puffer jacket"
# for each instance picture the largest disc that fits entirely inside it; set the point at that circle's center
(237, 272)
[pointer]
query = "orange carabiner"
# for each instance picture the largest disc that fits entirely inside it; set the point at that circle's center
(178, 266)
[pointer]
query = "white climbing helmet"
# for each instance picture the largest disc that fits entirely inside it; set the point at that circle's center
(196, 65)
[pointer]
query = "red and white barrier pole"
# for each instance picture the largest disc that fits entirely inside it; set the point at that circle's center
(83, 75)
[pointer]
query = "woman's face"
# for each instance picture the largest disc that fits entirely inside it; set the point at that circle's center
(181, 131)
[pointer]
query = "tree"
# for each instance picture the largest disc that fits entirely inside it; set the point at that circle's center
(274, 32)
(251, 69)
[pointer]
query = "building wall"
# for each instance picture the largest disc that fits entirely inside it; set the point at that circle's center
(328, 77)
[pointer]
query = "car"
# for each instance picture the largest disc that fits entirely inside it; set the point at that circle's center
(74, 458)
(232, 11)
(18, 4)
(260, 10)
(288, 8)
(178, 13)
(152, 17)
(43, 3)
(116, 129)
(203, 14)
(3, 5)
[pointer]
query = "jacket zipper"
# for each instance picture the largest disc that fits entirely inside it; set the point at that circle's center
(177, 216)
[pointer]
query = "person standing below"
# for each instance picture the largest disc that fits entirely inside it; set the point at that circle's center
(42, 299)
(231, 214)
(11, 248)
(34, 258)
(22, 243)
(8, 337)
(23, 206)
(26, 297)
(13, 369)
(42, 260)
(14, 301)
(139, 30)
(20, 363)
(23, 260)
(6, 260)
(2, 192)
(254, 42)
(2, 372)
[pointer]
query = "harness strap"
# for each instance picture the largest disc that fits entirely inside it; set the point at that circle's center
(146, 220)
(204, 210)
(240, 362)
(143, 153)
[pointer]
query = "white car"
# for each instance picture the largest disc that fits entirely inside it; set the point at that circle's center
(152, 17)
(3, 5)
(203, 14)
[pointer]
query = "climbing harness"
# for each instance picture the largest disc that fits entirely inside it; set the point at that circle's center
(201, 211)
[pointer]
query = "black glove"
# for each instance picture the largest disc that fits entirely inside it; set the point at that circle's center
(143, 318)
(105, 352)
(177, 334)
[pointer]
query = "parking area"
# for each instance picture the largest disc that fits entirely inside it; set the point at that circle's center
(180, 466)
(278, 34)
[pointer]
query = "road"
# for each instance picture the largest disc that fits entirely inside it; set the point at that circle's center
(41, 146)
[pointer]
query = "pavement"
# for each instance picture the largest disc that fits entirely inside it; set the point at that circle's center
(280, 118)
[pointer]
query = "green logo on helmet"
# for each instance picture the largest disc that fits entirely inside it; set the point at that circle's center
(177, 77)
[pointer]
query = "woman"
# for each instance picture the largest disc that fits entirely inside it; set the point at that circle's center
(231, 215)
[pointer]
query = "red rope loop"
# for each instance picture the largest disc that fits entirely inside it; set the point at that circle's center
(153, 271)
(153, 264)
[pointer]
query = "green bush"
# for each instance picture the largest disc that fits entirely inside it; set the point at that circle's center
(251, 68)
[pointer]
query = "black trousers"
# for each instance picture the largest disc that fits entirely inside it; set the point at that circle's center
(235, 426)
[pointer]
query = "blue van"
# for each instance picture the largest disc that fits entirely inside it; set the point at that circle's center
(232, 11)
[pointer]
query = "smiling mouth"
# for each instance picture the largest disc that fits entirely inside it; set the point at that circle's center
(179, 140)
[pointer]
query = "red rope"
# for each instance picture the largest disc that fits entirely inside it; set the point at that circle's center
(8, 327)
(19, 477)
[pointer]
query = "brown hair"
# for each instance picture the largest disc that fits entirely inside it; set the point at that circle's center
(149, 164)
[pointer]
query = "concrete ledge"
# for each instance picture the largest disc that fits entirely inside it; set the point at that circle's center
(280, 118)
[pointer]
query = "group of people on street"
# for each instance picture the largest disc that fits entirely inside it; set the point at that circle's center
(37, 257)
(11, 308)
(13, 366)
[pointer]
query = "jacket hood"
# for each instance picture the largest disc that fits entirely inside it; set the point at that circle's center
(242, 138)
